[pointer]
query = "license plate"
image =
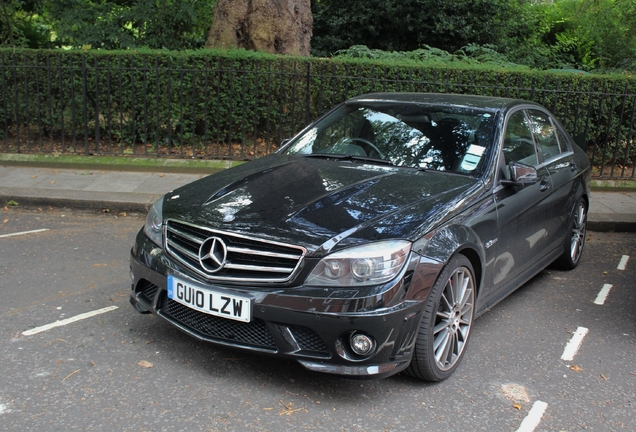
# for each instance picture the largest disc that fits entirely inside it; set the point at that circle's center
(208, 301)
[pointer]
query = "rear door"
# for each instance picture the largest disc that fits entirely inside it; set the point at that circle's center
(560, 163)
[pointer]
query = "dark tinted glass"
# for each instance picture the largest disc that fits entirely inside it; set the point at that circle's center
(544, 134)
(518, 142)
(410, 135)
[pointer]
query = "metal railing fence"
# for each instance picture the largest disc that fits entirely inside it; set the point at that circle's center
(225, 108)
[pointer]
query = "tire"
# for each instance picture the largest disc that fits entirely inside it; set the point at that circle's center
(446, 322)
(574, 242)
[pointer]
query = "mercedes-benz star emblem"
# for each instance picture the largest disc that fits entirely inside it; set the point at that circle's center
(212, 254)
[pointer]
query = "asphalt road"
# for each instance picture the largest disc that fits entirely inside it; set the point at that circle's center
(118, 370)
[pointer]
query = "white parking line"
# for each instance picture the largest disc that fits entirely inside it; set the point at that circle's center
(602, 295)
(623, 264)
(575, 343)
(534, 417)
(24, 232)
(68, 320)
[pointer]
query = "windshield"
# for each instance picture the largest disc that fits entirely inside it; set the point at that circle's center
(440, 138)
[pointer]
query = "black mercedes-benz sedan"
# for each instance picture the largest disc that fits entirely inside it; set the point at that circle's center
(369, 243)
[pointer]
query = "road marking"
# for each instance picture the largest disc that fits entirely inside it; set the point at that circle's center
(602, 295)
(68, 321)
(623, 264)
(575, 343)
(534, 417)
(24, 232)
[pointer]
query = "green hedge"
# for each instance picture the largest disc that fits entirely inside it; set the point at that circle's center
(240, 104)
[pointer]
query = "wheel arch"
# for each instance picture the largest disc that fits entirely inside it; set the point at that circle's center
(581, 193)
(451, 240)
(586, 199)
(475, 260)
(583, 188)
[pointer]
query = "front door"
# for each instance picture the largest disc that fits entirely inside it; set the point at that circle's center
(522, 210)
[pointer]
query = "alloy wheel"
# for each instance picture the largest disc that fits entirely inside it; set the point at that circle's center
(454, 318)
(578, 233)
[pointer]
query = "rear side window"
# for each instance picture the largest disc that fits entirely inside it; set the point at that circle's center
(563, 141)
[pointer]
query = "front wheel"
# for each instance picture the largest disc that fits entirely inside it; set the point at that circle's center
(575, 238)
(446, 322)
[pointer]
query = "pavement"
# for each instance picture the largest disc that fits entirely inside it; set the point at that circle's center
(133, 191)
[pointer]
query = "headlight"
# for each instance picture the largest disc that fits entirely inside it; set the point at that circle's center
(154, 223)
(370, 264)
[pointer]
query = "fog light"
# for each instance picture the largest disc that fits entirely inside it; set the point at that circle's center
(361, 344)
(132, 278)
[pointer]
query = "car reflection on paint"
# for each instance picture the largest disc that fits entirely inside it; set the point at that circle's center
(371, 241)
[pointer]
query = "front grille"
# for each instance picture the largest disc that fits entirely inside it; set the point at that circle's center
(254, 334)
(246, 258)
(309, 341)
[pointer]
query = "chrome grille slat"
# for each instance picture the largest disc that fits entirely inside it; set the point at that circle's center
(185, 252)
(248, 259)
(187, 236)
(262, 253)
(258, 268)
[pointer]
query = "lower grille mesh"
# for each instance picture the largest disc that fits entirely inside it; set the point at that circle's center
(254, 334)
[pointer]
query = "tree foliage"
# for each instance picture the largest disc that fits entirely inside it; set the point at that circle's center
(410, 24)
(22, 25)
(581, 34)
(107, 24)
(588, 34)
(116, 24)
(543, 34)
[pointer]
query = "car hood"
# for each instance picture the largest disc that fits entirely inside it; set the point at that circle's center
(320, 203)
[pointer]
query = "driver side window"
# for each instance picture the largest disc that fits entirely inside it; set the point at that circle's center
(545, 134)
(518, 142)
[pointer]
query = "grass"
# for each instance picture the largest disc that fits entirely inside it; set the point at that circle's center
(613, 185)
(118, 163)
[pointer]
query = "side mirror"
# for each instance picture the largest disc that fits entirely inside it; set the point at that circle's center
(521, 174)
(282, 145)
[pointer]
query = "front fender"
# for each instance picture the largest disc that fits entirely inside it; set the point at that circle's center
(442, 244)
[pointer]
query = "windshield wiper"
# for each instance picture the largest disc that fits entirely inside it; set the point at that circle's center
(349, 157)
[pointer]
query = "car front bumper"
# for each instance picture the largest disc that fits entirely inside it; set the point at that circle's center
(310, 325)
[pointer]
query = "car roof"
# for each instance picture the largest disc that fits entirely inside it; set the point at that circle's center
(458, 100)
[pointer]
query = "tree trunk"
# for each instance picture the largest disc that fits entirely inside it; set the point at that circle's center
(273, 26)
